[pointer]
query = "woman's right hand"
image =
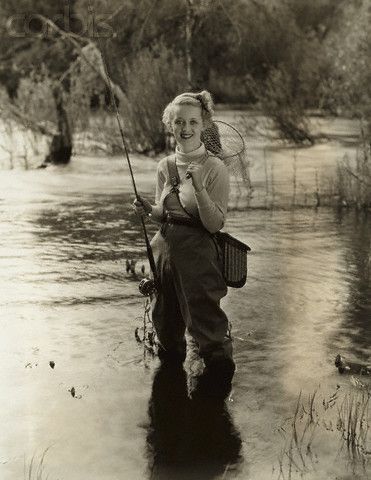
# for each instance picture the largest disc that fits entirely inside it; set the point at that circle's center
(141, 206)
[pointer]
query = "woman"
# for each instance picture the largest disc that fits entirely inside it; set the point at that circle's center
(191, 203)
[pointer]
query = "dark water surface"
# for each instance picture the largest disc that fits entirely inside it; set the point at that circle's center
(65, 297)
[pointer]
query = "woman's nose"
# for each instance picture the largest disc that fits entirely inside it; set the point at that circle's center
(186, 127)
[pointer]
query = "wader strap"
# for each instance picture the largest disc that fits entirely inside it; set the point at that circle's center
(173, 173)
(175, 181)
(194, 221)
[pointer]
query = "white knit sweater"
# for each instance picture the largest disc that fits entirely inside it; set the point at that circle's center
(210, 204)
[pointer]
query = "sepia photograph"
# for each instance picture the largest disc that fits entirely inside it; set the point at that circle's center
(185, 248)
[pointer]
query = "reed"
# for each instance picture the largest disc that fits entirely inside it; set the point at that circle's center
(353, 424)
(353, 178)
(146, 334)
(317, 195)
(273, 191)
(35, 470)
(294, 178)
(296, 457)
(342, 417)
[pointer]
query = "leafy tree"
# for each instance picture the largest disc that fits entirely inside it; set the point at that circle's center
(348, 49)
(284, 56)
(32, 54)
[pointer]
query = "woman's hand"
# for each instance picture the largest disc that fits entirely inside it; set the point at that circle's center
(141, 206)
(194, 171)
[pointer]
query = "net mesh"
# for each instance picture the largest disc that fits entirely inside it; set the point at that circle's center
(226, 142)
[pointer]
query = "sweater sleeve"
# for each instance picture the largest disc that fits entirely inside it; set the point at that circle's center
(160, 181)
(212, 201)
(157, 209)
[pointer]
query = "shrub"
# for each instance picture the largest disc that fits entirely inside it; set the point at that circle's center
(35, 97)
(346, 89)
(152, 79)
(278, 101)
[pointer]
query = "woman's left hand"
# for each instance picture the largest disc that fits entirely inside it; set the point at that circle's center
(194, 170)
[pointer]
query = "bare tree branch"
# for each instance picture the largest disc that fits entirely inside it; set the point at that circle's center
(8, 109)
(154, 4)
(236, 28)
(75, 39)
(356, 176)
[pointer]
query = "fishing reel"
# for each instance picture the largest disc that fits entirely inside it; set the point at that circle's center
(147, 287)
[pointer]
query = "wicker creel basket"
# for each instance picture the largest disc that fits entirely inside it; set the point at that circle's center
(234, 254)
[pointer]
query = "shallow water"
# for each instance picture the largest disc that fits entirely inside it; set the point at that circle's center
(65, 297)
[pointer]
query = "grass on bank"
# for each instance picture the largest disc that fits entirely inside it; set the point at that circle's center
(348, 186)
(353, 179)
(35, 470)
(340, 421)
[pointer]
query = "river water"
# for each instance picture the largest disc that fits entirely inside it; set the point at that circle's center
(66, 298)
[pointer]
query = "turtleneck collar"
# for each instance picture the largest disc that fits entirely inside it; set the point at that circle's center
(191, 156)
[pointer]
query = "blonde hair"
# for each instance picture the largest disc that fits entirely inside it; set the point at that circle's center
(202, 100)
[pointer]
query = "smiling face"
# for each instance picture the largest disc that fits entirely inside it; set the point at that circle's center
(187, 125)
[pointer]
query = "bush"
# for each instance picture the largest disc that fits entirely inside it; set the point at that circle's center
(84, 84)
(152, 80)
(35, 97)
(346, 89)
(278, 101)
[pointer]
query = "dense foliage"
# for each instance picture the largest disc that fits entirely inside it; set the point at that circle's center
(282, 57)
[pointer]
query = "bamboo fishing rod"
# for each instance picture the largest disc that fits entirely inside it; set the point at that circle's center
(147, 286)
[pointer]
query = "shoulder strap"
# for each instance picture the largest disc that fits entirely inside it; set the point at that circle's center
(173, 172)
(175, 180)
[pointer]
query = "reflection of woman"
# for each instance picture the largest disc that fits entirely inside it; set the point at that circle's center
(191, 208)
(187, 438)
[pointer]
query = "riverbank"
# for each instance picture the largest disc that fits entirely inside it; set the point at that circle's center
(281, 175)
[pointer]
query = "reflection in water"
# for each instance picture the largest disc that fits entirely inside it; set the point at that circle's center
(188, 438)
(95, 230)
(356, 229)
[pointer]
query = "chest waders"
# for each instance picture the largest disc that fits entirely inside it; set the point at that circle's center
(192, 285)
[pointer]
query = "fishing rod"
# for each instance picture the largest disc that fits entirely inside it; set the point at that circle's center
(147, 286)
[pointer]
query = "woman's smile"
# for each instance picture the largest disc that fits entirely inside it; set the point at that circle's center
(187, 126)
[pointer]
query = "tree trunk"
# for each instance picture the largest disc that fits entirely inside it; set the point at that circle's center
(61, 145)
(197, 60)
(190, 19)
